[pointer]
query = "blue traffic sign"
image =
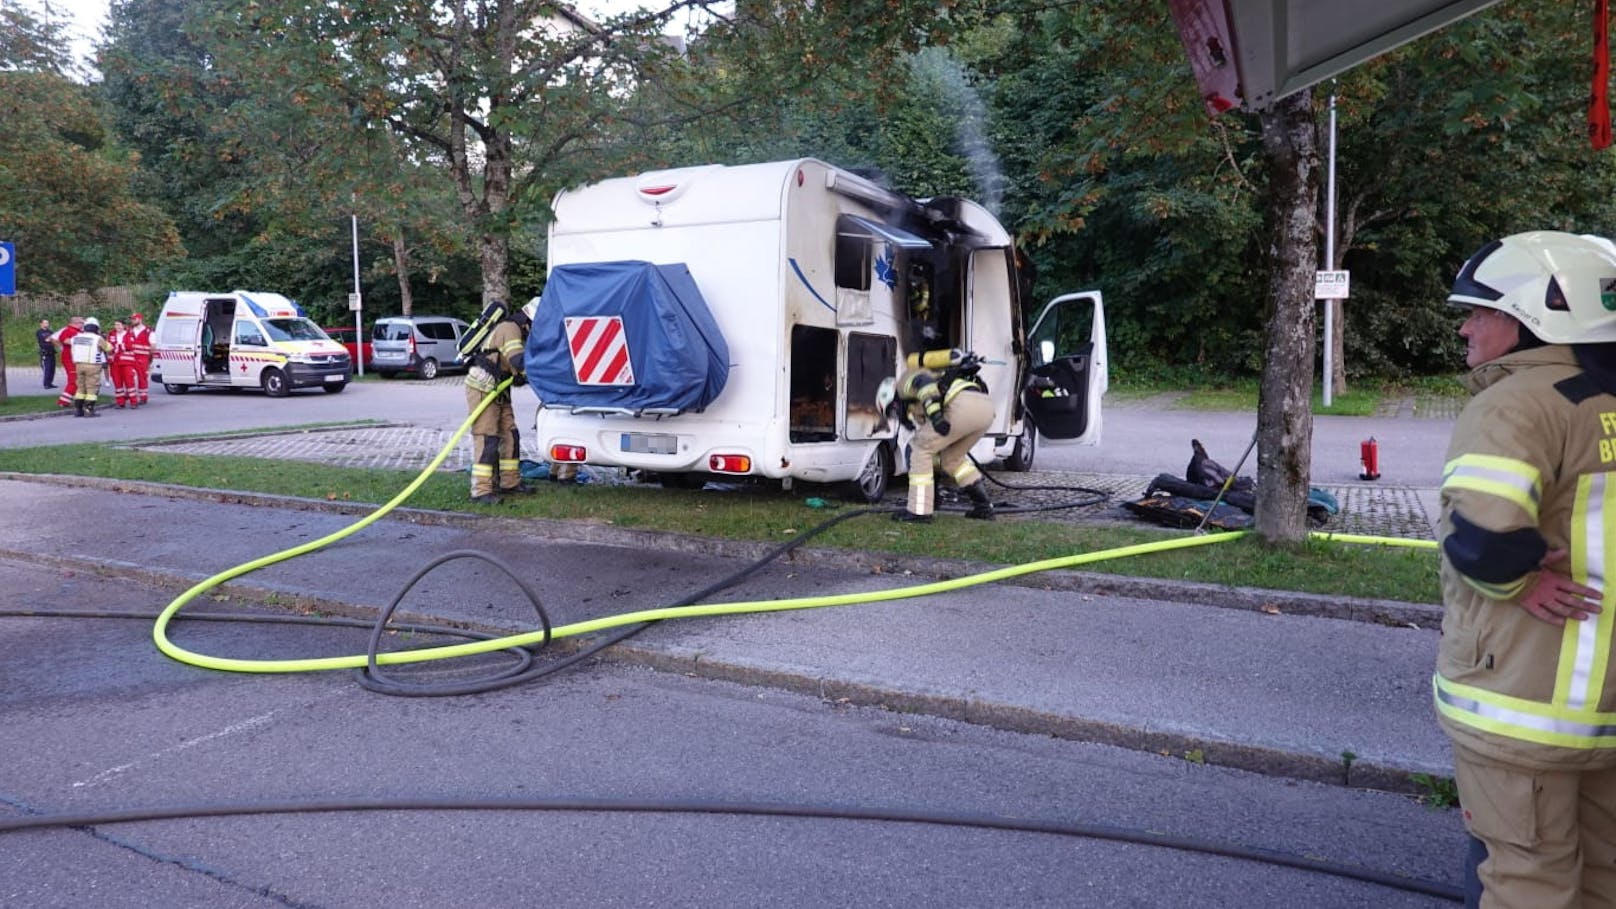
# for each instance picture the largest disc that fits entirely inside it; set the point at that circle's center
(8, 269)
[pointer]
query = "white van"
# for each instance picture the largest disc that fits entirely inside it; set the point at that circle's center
(244, 339)
(737, 321)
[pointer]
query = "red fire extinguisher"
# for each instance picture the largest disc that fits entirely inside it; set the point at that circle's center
(1369, 453)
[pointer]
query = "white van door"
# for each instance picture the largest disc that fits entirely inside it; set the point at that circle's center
(179, 349)
(1068, 377)
(990, 332)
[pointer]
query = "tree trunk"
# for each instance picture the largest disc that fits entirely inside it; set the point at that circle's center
(1338, 345)
(401, 265)
(494, 252)
(1284, 404)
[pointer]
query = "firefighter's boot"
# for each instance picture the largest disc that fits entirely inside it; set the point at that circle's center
(981, 508)
(78, 408)
(89, 408)
(909, 517)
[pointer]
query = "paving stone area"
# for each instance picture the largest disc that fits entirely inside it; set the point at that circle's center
(1373, 510)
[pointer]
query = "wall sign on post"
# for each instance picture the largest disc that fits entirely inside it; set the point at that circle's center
(8, 269)
(1331, 285)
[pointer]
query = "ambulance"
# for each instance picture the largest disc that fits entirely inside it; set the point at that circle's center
(244, 339)
(729, 322)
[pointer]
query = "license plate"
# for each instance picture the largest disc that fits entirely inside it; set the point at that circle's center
(650, 442)
(336, 377)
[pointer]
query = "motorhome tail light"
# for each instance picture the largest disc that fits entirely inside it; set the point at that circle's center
(568, 454)
(729, 463)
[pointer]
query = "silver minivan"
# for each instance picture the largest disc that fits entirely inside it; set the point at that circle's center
(423, 345)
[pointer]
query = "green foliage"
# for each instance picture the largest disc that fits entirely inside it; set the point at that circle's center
(66, 196)
(1437, 792)
(258, 130)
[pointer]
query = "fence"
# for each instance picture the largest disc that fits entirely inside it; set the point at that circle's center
(102, 300)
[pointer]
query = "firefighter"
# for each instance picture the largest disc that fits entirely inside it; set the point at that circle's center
(942, 399)
(89, 352)
(140, 344)
(496, 461)
(1524, 687)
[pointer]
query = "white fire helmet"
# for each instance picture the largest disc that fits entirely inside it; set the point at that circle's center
(1561, 286)
(93, 322)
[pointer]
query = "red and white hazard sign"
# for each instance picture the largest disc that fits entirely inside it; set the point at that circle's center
(599, 350)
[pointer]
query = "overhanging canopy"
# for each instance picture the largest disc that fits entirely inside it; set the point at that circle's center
(1250, 53)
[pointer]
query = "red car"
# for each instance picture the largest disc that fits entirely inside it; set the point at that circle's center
(345, 337)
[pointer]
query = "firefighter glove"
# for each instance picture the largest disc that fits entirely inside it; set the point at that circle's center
(941, 424)
(519, 379)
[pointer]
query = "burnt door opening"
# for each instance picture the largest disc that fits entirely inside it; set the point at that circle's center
(813, 384)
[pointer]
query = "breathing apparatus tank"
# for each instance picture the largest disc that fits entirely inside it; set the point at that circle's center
(472, 341)
(937, 359)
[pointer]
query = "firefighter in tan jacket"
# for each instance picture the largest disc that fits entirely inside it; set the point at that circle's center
(941, 398)
(1525, 683)
(496, 455)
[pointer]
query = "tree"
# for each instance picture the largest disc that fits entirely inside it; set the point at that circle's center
(66, 191)
(514, 99)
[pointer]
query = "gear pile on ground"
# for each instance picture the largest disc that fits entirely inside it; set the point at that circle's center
(1194, 501)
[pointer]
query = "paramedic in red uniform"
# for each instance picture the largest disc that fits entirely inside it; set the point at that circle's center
(122, 365)
(70, 386)
(496, 463)
(140, 344)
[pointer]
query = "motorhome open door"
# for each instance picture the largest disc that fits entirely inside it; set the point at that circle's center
(1068, 378)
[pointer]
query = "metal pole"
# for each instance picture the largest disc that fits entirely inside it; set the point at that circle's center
(358, 316)
(1329, 263)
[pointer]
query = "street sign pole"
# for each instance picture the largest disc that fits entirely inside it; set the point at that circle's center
(1329, 264)
(357, 304)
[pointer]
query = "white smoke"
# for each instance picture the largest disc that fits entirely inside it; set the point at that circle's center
(970, 127)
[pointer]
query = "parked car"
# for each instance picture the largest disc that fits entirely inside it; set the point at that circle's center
(345, 336)
(423, 345)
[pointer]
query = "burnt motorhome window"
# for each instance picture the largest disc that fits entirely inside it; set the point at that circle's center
(813, 384)
(854, 248)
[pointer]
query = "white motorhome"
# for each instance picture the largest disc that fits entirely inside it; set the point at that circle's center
(244, 339)
(801, 287)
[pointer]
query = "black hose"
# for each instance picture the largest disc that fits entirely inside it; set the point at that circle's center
(758, 809)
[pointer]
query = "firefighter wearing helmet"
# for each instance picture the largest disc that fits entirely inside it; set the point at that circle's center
(89, 351)
(1525, 683)
(942, 399)
(496, 451)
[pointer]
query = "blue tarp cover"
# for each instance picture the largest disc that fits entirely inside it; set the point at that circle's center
(678, 355)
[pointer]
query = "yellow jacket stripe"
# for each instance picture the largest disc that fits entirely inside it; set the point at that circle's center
(1531, 721)
(1507, 478)
(1585, 645)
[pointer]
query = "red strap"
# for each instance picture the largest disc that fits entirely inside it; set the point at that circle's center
(1599, 100)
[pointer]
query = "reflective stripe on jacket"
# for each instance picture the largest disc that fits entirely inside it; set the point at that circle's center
(1531, 468)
